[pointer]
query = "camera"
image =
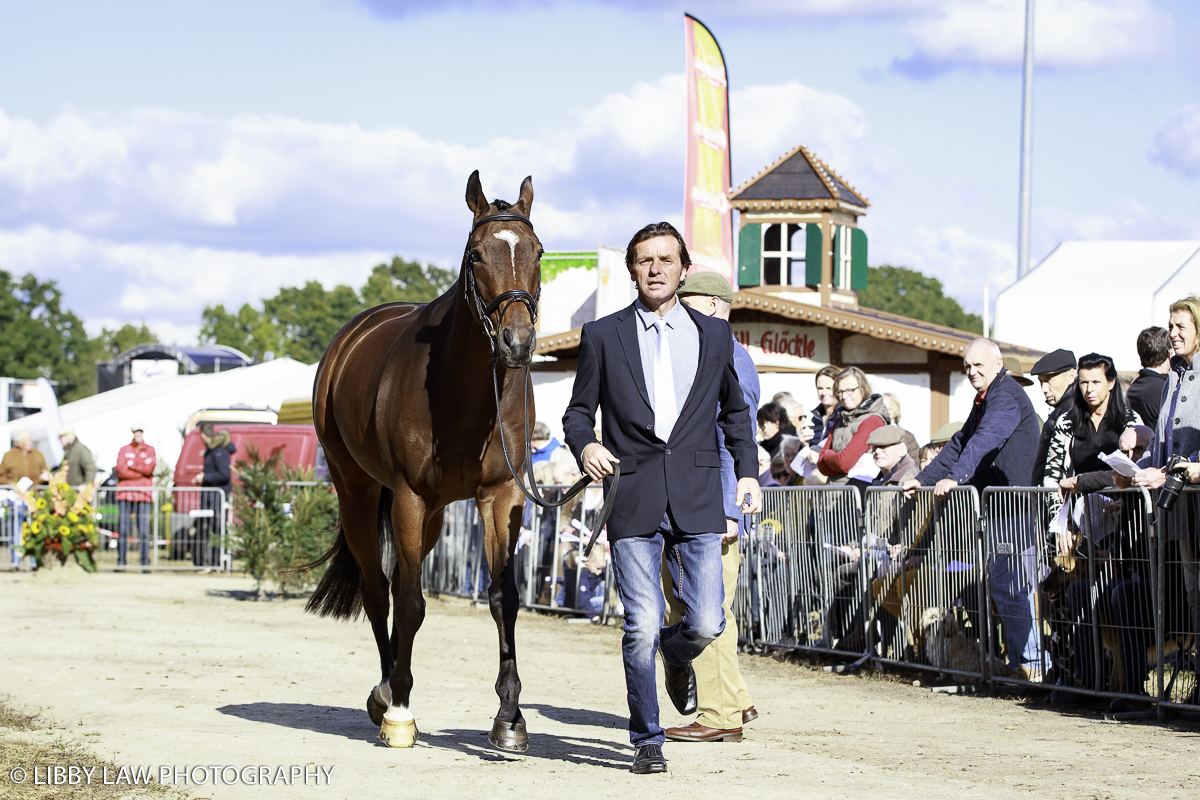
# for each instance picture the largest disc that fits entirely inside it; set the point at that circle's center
(1173, 485)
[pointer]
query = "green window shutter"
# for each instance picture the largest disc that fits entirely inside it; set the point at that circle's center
(750, 254)
(837, 256)
(812, 254)
(858, 259)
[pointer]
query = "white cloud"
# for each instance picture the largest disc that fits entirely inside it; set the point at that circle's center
(1176, 144)
(154, 214)
(767, 121)
(1068, 33)
(962, 261)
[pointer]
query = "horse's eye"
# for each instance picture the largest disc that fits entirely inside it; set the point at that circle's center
(476, 257)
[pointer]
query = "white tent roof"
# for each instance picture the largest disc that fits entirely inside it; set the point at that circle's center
(162, 407)
(1097, 296)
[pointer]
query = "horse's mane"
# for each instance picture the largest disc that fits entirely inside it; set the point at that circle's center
(502, 205)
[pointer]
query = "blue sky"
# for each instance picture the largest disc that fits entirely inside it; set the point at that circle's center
(157, 157)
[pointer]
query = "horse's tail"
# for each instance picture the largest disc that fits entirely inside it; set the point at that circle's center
(339, 594)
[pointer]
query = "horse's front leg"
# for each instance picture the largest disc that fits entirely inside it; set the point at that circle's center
(500, 510)
(399, 728)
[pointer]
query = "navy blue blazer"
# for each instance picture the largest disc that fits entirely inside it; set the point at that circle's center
(685, 471)
(997, 444)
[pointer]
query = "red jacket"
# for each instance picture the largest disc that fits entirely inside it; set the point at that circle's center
(135, 467)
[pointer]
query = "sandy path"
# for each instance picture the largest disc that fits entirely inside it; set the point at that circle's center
(170, 670)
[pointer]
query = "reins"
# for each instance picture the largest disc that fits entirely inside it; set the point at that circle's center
(503, 301)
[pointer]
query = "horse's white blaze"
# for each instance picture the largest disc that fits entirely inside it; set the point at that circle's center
(512, 239)
(395, 713)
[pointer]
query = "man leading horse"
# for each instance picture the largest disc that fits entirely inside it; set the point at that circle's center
(661, 373)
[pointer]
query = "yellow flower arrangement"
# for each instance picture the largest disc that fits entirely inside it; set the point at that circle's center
(52, 527)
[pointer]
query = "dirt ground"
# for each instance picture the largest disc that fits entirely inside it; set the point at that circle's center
(174, 670)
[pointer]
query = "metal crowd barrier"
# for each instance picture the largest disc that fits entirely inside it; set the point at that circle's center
(1101, 601)
(551, 574)
(146, 527)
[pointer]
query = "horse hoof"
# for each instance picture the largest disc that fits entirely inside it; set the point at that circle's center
(509, 736)
(398, 734)
(375, 707)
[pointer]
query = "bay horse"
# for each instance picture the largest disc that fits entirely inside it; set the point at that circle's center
(403, 405)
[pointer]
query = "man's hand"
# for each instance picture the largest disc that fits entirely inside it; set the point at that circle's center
(943, 488)
(1149, 478)
(199, 479)
(598, 462)
(910, 487)
(1192, 470)
(731, 532)
(749, 486)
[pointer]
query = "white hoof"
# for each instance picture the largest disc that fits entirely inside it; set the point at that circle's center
(401, 733)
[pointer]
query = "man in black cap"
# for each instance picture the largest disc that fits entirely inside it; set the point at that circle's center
(1056, 372)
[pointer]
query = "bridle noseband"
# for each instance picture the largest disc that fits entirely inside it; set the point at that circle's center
(504, 299)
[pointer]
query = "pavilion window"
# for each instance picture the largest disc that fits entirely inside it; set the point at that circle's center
(784, 254)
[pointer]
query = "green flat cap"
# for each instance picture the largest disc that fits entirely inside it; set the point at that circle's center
(945, 432)
(886, 436)
(706, 283)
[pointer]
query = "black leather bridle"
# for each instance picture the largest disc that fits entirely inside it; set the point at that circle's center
(483, 313)
(504, 299)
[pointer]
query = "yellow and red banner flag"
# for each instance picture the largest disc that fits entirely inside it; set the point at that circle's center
(707, 215)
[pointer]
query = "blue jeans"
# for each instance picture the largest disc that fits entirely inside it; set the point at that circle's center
(1014, 587)
(695, 564)
(139, 511)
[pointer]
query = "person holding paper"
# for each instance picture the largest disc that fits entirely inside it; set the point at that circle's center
(1089, 429)
(1178, 433)
(844, 456)
(1090, 426)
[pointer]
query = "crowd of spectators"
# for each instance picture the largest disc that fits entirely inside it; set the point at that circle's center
(1050, 575)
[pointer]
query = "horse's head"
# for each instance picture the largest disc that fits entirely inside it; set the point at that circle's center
(503, 265)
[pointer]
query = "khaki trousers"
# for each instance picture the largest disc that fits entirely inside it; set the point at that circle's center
(720, 691)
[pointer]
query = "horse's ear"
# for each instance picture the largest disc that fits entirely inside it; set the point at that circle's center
(475, 198)
(525, 201)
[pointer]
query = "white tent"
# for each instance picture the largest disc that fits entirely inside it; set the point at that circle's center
(162, 407)
(1095, 297)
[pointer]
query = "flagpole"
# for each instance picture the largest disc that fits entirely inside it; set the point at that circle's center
(1026, 190)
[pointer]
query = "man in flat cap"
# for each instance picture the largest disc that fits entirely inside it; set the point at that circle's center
(1056, 372)
(890, 453)
(721, 695)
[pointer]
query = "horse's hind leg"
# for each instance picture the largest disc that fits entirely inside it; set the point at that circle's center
(500, 509)
(361, 509)
(399, 728)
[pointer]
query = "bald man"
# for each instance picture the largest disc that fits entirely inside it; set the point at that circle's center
(997, 446)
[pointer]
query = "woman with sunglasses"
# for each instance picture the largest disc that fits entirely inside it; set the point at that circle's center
(859, 413)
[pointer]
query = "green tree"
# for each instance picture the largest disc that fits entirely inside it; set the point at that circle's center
(249, 330)
(904, 291)
(112, 343)
(40, 338)
(404, 282)
(300, 321)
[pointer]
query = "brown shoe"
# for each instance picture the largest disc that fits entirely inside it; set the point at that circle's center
(699, 733)
(749, 715)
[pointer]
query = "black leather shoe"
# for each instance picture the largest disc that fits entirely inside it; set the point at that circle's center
(648, 759)
(681, 686)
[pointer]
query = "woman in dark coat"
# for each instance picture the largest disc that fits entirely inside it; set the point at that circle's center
(217, 474)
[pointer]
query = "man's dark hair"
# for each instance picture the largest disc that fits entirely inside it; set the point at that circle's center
(1154, 347)
(650, 232)
(773, 412)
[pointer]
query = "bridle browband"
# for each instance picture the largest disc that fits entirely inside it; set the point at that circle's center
(483, 313)
(504, 299)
